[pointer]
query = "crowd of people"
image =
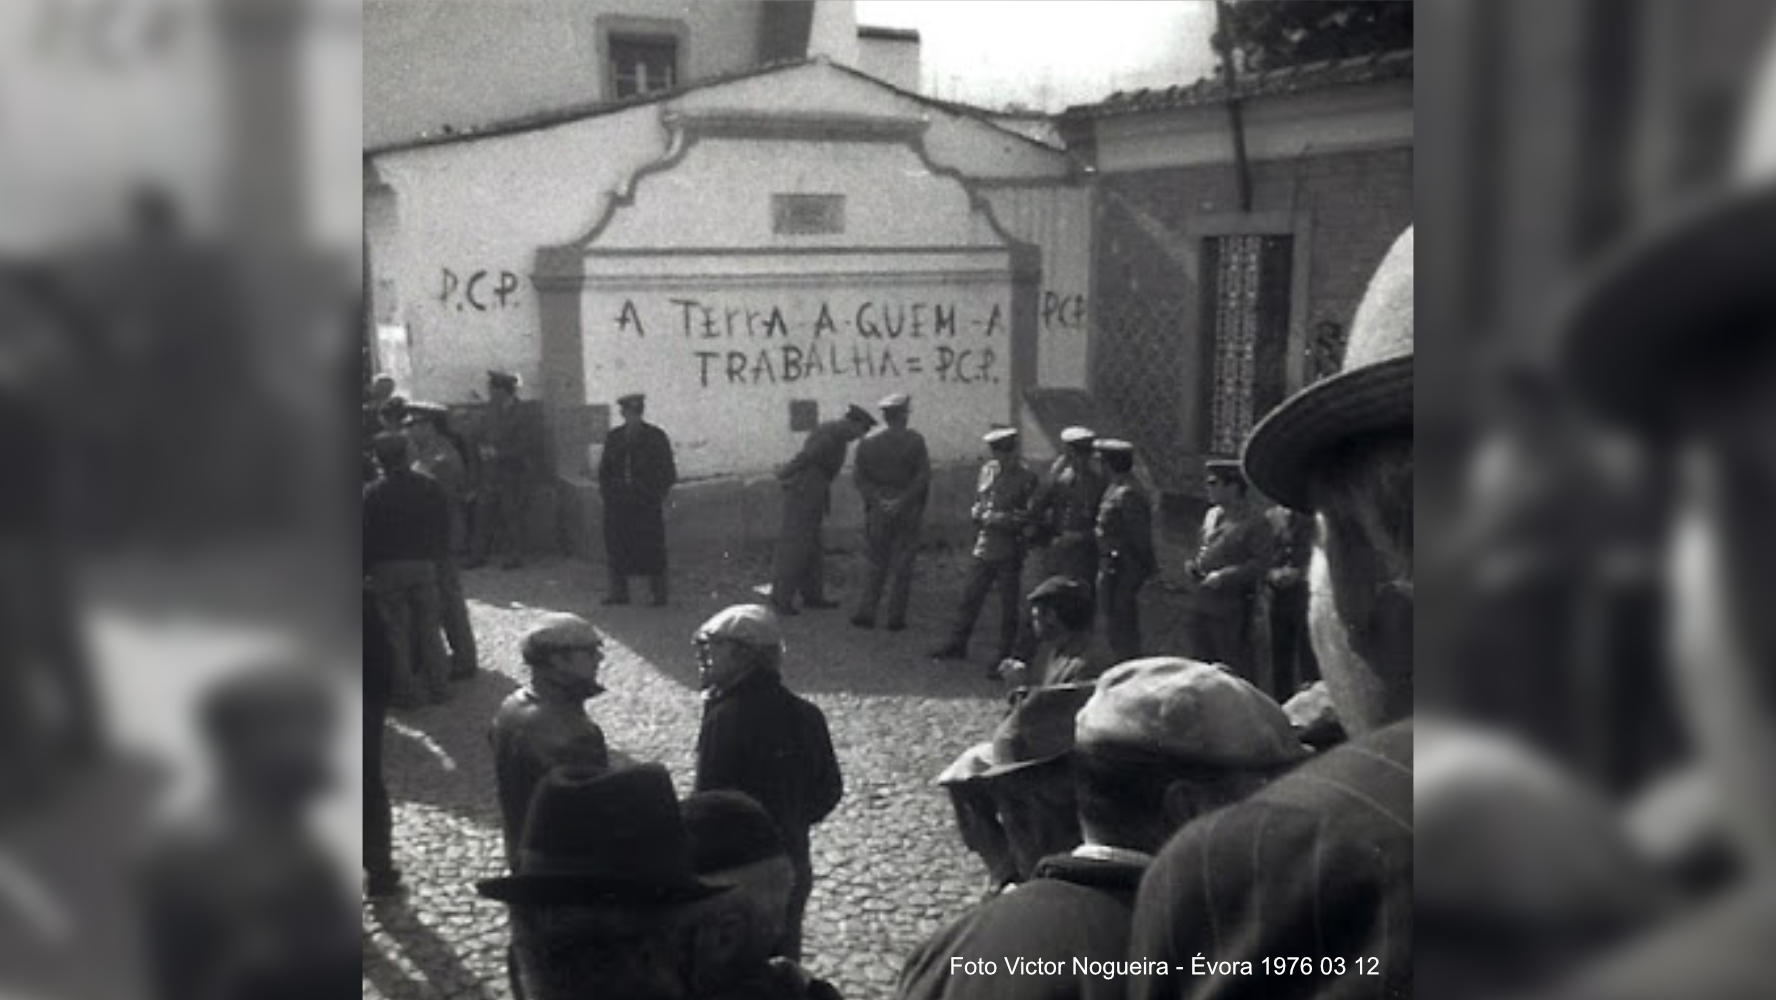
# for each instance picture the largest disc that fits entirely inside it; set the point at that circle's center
(1163, 818)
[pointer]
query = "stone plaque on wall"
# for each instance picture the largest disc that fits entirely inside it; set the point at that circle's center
(807, 214)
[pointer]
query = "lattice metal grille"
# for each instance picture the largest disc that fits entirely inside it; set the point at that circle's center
(1140, 374)
(1235, 343)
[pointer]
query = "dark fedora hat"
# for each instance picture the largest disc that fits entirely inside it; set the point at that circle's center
(1674, 311)
(613, 837)
(1038, 730)
(1371, 392)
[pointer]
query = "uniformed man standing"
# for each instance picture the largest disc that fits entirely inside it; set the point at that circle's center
(1068, 509)
(508, 459)
(1235, 554)
(1003, 498)
(635, 474)
(807, 495)
(893, 473)
(1125, 548)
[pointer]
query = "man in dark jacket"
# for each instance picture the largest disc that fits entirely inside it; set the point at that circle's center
(893, 474)
(1159, 742)
(381, 877)
(807, 496)
(634, 475)
(1061, 612)
(760, 739)
(406, 534)
(1319, 864)
(1125, 548)
(510, 446)
(1234, 556)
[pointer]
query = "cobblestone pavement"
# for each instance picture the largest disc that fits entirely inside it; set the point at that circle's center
(889, 867)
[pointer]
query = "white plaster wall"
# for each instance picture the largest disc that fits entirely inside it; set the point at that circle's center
(891, 60)
(1058, 221)
(484, 208)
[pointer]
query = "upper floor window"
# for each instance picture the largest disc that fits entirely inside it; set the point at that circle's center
(642, 65)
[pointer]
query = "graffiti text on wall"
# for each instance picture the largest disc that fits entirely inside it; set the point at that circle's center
(480, 291)
(1063, 312)
(952, 343)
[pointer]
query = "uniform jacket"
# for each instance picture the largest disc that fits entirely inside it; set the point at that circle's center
(530, 737)
(893, 467)
(1071, 908)
(1069, 503)
(406, 516)
(760, 738)
(1003, 497)
(1125, 530)
(509, 440)
(821, 457)
(1244, 546)
(1317, 864)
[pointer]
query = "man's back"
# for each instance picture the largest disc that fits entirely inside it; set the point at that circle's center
(406, 516)
(893, 460)
(761, 739)
(531, 736)
(1319, 864)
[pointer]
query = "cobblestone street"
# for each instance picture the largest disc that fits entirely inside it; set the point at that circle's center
(889, 866)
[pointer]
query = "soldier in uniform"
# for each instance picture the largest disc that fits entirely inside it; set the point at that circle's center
(1235, 554)
(893, 474)
(1068, 509)
(1003, 498)
(1125, 548)
(508, 461)
(635, 474)
(807, 495)
(436, 456)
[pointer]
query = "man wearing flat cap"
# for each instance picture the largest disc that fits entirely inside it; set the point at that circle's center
(1061, 613)
(1003, 494)
(807, 498)
(436, 455)
(1126, 559)
(510, 449)
(893, 475)
(1160, 742)
(759, 738)
(635, 474)
(1319, 863)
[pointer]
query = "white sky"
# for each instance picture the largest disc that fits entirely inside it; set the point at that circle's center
(1050, 53)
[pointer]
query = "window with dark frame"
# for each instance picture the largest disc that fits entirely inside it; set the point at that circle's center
(642, 65)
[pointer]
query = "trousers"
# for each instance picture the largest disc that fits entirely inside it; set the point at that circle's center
(800, 566)
(407, 594)
(454, 609)
(502, 517)
(1008, 576)
(893, 541)
(1119, 599)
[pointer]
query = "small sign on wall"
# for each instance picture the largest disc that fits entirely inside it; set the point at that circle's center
(807, 214)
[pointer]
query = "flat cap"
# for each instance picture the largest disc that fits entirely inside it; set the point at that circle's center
(1061, 590)
(749, 624)
(973, 763)
(894, 401)
(631, 399)
(1189, 712)
(1000, 436)
(860, 415)
(505, 380)
(1115, 445)
(561, 631)
(1077, 435)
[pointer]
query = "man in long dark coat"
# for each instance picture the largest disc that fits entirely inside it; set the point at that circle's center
(510, 453)
(634, 476)
(807, 496)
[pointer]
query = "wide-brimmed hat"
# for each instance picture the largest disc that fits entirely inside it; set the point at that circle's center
(972, 763)
(1196, 714)
(1693, 292)
(1038, 730)
(613, 837)
(1371, 392)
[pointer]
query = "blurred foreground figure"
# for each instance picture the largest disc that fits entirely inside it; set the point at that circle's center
(760, 738)
(1320, 863)
(241, 900)
(1160, 742)
(1676, 342)
(976, 818)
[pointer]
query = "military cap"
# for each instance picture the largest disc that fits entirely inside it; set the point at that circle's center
(1077, 435)
(858, 414)
(748, 624)
(1189, 712)
(1225, 469)
(633, 399)
(1000, 437)
(560, 631)
(417, 411)
(1114, 445)
(501, 379)
(894, 401)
